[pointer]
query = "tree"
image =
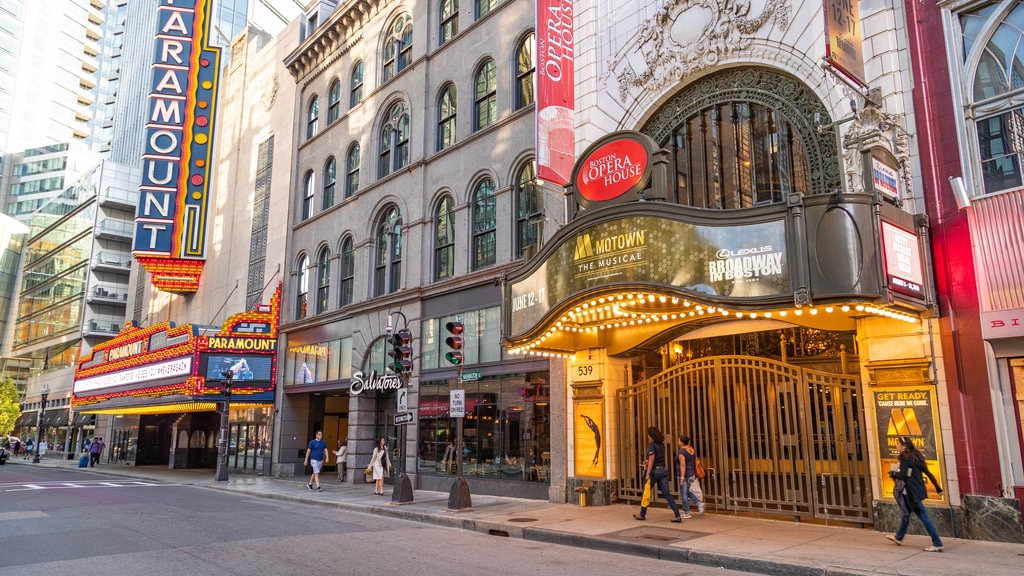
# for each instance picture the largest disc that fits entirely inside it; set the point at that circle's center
(10, 405)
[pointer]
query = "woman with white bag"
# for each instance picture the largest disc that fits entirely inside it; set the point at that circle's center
(689, 488)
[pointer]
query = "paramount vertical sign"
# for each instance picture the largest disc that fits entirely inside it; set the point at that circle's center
(170, 221)
(556, 135)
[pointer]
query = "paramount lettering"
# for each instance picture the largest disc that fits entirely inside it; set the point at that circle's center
(745, 267)
(254, 344)
(375, 382)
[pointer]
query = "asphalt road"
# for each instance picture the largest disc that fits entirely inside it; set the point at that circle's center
(63, 522)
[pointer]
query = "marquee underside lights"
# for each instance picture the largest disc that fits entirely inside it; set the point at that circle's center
(652, 312)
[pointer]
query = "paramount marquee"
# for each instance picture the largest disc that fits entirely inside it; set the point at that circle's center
(170, 220)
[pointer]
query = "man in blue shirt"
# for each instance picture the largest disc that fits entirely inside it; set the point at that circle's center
(316, 455)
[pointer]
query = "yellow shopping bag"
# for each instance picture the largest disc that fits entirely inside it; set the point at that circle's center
(645, 500)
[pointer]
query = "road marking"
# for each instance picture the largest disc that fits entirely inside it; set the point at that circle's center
(66, 485)
(27, 514)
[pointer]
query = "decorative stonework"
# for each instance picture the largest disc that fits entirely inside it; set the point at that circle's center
(687, 36)
(873, 127)
(269, 95)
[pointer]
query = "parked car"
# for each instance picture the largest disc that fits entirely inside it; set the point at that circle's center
(4, 454)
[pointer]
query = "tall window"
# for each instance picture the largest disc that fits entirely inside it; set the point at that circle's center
(334, 101)
(387, 275)
(526, 68)
(352, 171)
(356, 94)
(484, 224)
(330, 178)
(485, 98)
(449, 19)
(394, 141)
(312, 117)
(323, 279)
(398, 47)
(444, 239)
(529, 209)
(308, 191)
(446, 118)
(260, 225)
(348, 272)
(301, 286)
(484, 6)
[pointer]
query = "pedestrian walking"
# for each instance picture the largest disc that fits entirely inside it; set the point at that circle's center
(378, 461)
(316, 455)
(910, 492)
(656, 473)
(341, 458)
(28, 448)
(686, 465)
(95, 448)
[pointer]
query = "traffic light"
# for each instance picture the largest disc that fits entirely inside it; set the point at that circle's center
(225, 386)
(401, 351)
(454, 342)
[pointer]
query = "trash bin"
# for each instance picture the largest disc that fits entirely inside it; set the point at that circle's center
(83, 462)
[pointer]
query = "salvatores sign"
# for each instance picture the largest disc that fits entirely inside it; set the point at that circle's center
(360, 383)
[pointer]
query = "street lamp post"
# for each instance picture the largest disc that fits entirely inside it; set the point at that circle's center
(225, 413)
(44, 392)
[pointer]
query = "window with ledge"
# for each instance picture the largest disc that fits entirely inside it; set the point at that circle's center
(301, 286)
(348, 272)
(356, 91)
(444, 239)
(312, 117)
(484, 224)
(446, 118)
(308, 192)
(398, 47)
(484, 6)
(485, 96)
(387, 276)
(394, 141)
(330, 178)
(323, 279)
(526, 71)
(529, 209)
(449, 20)
(352, 171)
(334, 102)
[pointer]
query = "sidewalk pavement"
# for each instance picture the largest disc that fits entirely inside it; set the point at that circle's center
(719, 539)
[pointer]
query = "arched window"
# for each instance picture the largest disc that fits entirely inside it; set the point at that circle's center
(356, 94)
(308, 191)
(398, 47)
(330, 178)
(323, 279)
(334, 101)
(446, 118)
(387, 277)
(526, 68)
(312, 117)
(449, 20)
(484, 224)
(485, 96)
(529, 209)
(444, 239)
(484, 6)
(394, 141)
(352, 171)
(993, 93)
(301, 286)
(348, 272)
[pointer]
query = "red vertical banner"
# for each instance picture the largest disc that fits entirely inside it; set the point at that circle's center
(556, 136)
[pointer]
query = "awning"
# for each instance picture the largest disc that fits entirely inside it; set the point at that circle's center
(58, 417)
(83, 420)
(26, 419)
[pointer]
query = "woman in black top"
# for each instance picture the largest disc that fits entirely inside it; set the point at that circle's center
(912, 492)
(657, 473)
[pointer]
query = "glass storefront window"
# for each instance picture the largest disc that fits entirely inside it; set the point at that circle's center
(482, 338)
(506, 431)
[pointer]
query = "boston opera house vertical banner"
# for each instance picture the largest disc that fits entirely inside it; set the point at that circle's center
(556, 136)
(170, 221)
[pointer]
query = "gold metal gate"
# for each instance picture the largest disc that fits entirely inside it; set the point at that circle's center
(775, 438)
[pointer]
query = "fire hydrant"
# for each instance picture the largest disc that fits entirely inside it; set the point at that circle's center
(582, 491)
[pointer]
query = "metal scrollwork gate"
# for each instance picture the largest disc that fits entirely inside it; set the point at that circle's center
(775, 438)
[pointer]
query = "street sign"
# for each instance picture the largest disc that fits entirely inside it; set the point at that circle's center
(403, 418)
(402, 395)
(470, 376)
(457, 403)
